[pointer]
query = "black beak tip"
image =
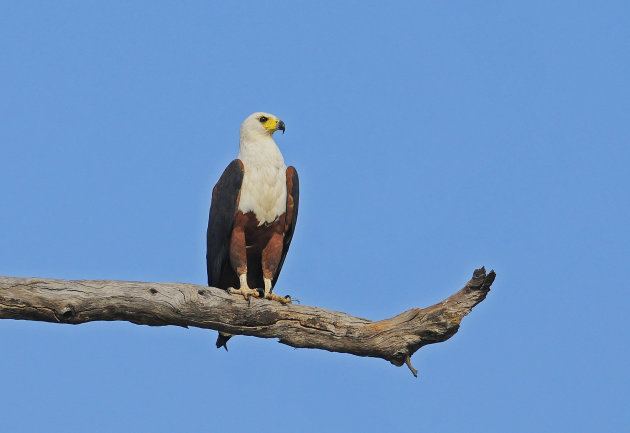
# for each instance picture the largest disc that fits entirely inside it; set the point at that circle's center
(281, 126)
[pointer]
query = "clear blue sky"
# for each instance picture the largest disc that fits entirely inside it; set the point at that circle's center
(430, 137)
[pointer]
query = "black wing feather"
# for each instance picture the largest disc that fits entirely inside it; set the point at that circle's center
(220, 223)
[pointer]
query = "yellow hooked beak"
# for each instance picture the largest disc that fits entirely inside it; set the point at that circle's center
(274, 125)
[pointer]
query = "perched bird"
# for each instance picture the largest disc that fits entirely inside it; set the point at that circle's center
(252, 216)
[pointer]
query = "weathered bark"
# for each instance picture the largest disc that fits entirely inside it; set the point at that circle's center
(159, 304)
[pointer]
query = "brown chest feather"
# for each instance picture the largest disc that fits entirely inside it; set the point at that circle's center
(257, 235)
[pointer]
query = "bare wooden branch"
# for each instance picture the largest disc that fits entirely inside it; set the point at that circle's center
(158, 304)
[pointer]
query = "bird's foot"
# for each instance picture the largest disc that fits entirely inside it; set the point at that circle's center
(246, 292)
(282, 299)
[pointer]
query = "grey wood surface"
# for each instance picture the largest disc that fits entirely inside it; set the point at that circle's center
(159, 304)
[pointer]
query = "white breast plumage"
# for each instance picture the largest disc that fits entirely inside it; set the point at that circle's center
(264, 187)
(264, 191)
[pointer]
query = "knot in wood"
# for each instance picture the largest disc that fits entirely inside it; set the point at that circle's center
(67, 313)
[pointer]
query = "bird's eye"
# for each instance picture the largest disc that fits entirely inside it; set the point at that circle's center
(263, 119)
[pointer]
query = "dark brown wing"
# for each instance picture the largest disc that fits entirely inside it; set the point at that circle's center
(220, 223)
(293, 200)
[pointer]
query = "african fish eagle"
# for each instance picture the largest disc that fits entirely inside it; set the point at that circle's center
(252, 215)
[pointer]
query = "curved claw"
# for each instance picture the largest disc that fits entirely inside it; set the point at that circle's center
(290, 300)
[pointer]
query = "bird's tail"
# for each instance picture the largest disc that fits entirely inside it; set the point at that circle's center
(222, 340)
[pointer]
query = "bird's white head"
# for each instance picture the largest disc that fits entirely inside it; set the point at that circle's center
(259, 126)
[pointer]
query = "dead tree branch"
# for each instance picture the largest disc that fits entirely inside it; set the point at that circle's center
(159, 304)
